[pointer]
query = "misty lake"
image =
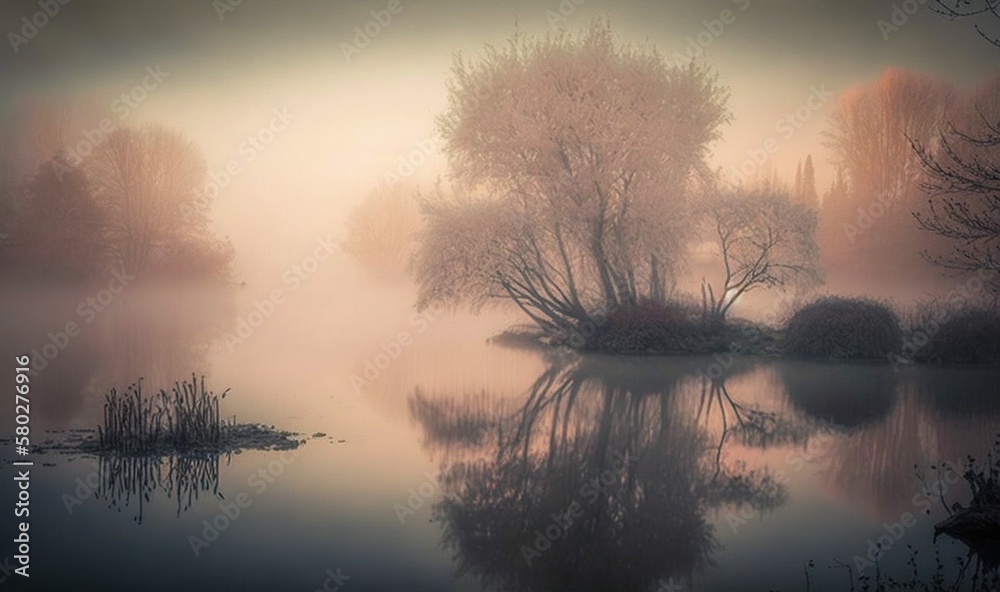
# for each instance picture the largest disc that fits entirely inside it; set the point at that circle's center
(470, 465)
(316, 296)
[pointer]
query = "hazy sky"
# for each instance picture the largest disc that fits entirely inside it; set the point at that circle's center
(353, 119)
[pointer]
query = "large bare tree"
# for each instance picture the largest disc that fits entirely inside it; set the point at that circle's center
(976, 10)
(585, 148)
(764, 240)
(963, 183)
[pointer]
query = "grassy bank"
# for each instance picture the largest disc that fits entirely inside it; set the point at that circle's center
(829, 328)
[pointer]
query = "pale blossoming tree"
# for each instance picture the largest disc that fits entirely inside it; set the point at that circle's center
(575, 156)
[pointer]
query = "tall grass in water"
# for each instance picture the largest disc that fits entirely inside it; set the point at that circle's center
(185, 418)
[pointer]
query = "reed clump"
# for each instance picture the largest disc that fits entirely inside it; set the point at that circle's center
(186, 418)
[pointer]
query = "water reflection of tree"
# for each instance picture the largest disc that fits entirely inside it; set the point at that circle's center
(849, 397)
(959, 391)
(125, 480)
(511, 470)
(873, 460)
(891, 422)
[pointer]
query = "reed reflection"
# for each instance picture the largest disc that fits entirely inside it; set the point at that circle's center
(128, 480)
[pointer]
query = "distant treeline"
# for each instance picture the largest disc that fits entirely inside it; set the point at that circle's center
(133, 205)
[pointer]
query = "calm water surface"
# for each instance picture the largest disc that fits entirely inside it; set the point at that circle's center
(465, 465)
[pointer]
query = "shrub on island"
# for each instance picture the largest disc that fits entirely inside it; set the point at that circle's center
(969, 336)
(651, 327)
(840, 328)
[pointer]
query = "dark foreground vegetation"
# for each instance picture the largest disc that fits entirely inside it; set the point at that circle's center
(976, 524)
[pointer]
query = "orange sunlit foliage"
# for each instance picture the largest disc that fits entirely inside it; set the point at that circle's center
(867, 230)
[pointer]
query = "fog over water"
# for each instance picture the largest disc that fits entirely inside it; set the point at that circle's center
(351, 216)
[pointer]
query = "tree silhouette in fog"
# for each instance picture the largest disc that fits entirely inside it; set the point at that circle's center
(574, 159)
(148, 180)
(962, 165)
(133, 204)
(57, 231)
(764, 240)
(869, 229)
(34, 129)
(512, 467)
(972, 9)
(804, 190)
(129, 208)
(381, 230)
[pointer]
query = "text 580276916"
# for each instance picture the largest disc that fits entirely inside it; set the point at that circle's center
(22, 435)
